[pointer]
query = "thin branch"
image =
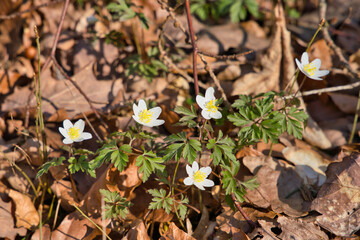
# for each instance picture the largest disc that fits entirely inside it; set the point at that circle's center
(224, 57)
(57, 36)
(195, 49)
(333, 46)
(216, 81)
(248, 220)
(18, 14)
(74, 83)
(324, 90)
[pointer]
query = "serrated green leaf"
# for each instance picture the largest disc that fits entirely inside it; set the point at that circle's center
(46, 166)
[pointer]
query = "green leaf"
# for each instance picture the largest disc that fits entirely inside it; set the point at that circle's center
(251, 184)
(174, 151)
(160, 200)
(185, 111)
(46, 166)
(148, 163)
(190, 149)
(115, 205)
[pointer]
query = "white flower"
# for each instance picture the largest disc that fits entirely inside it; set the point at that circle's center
(147, 117)
(74, 133)
(198, 177)
(207, 104)
(311, 70)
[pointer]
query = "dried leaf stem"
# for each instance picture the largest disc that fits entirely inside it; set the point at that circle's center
(248, 220)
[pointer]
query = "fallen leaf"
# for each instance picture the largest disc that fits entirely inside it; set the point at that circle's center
(46, 233)
(300, 230)
(25, 211)
(346, 103)
(174, 233)
(310, 165)
(338, 199)
(8, 230)
(279, 189)
(137, 232)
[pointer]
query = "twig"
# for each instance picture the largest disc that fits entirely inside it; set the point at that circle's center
(324, 90)
(223, 57)
(18, 14)
(248, 220)
(216, 81)
(56, 40)
(81, 92)
(332, 45)
(195, 49)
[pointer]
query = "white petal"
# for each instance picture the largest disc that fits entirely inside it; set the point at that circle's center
(206, 114)
(322, 73)
(80, 124)
(142, 105)
(206, 170)
(299, 65)
(304, 58)
(63, 132)
(136, 118)
(317, 63)
(209, 94)
(199, 185)
(67, 124)
(156, 111)
(314, 77)
(215, 115)
(86, 136)
(188, 181)
(154, 123)
(68, 141)
(207, 183)
(189, 170)
(195, 166)
(136, 109)
(200, 101)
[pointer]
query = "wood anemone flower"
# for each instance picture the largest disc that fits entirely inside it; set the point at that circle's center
(208, 105)
(74, 133)
(198, 176)
(311, 70)
(147, 117)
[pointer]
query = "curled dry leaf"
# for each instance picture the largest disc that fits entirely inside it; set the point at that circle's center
(63, 191)
(338, 199)
(25, 211)
(138, 232)
(6, 219)
(174, 233)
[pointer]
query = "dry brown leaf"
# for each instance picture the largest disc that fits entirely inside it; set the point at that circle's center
(174, 233)
(75, 226)
(346, 103)
(64, 192)
(25, 211)
(62, 94)
(233, 223)
(277, 189)
(8, 230)
(16, 179)
(310, 165)
(266, 231)
(138, 232)
(338, 199)
(300, 230)
(46, 233)
(321, 50)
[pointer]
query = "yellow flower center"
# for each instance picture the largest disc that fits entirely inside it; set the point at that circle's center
(74, 133)
(145, 116)
(210, 106)
(199, 177)
(310, 68)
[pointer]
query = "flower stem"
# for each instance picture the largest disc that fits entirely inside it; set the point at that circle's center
(307, 49)
(355, 120)
(173, 181)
